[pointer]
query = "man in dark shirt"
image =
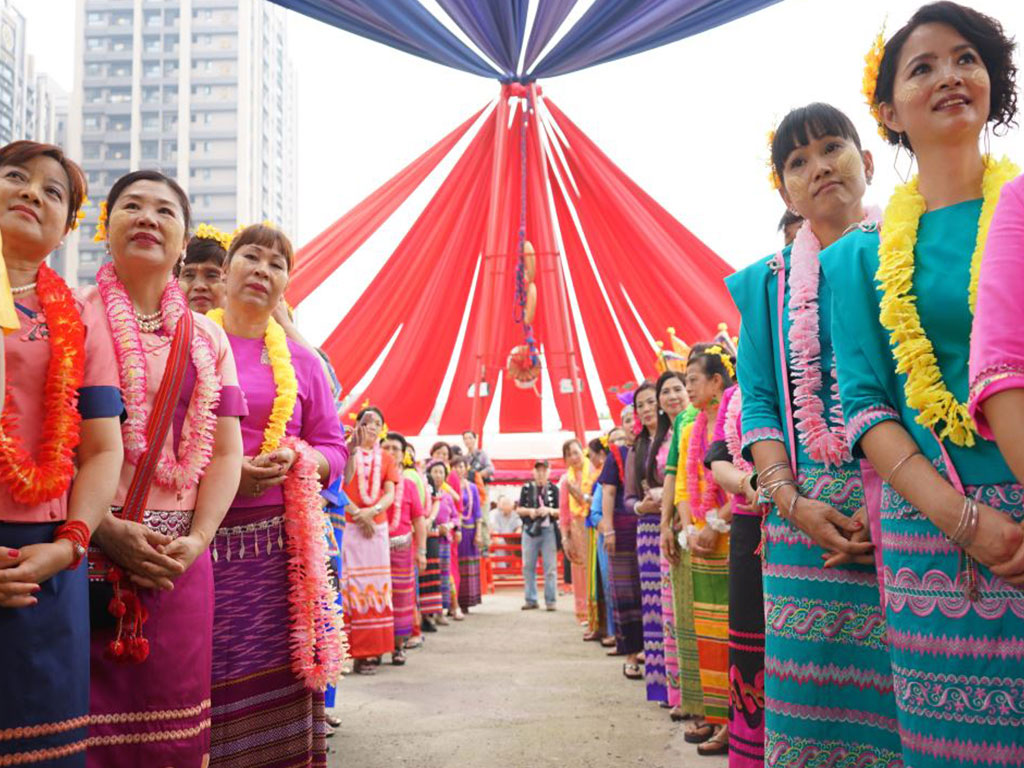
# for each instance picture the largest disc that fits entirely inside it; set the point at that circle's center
(538, 506)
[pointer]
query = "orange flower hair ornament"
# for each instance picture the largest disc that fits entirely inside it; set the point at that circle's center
(773, 176)
(80, 215)
(872, 64)
(101, 224)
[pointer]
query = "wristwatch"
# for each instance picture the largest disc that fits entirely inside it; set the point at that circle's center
(79, 553)
(377, 508)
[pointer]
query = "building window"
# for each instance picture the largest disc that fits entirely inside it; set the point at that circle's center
(170, 69)
(170, 94)
(151, 43)
(150, 121)
(150, 150)
(151, 94)
(95, 19)
(120, 44)
(94, 70)
(170, 150)
(121, 69)
(171, 44)
(118, 124)
(152, 69)
(92, 122)
(170, 122)
(153, 19)
(118, 151)
(91, 150)
(120, 95)
(93, 95)
(95, 44)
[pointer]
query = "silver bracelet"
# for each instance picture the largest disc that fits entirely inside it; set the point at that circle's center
(967, 527)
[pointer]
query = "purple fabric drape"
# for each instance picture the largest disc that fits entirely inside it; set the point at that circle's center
(549, 17)
(495, 26)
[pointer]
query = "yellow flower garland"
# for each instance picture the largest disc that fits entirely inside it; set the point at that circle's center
(285, 384)
(925, 390)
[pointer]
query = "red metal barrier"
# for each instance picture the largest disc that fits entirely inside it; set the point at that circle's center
(506, 561)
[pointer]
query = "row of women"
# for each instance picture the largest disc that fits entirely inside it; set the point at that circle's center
(847, 554)
(165, 596)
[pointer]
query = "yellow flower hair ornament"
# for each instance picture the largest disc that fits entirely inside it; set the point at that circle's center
(285, 384)
(869, 87)
(773, 176)
(210, 232)
(718, 352)
(101, 224)
(80, 214)
(604, 440)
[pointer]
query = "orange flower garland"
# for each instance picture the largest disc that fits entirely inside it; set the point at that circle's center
(33, 482)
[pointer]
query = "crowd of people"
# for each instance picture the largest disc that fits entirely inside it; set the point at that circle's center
(809, 544)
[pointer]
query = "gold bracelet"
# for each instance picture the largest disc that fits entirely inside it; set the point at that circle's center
(899, 465)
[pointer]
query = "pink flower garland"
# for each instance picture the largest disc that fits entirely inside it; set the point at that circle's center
(711, 497)
(825, 443)
(396, 508)
(732, 431)
(319, 645)
(196, 445)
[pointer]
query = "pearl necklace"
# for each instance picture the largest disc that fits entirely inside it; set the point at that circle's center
(23, 289)
(150, 323)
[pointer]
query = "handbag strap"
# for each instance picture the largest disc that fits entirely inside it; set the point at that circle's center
(160, 419)
(784, 362)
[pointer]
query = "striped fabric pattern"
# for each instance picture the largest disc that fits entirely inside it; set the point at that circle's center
(648, 555)
(711, 623)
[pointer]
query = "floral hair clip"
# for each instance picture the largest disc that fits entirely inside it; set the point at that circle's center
(718, 352)
(210, 232)
(101, 224)
(80, 214)
(604, 440)
(872, 64)
(773, 175)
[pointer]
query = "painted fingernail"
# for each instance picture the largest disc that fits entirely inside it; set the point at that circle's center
(36, 588)
(858, 525)
(13, 553)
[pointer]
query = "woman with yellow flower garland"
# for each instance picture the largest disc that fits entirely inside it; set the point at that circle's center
(827, 678)
(903, 301)
(62, 423)
(270, 548)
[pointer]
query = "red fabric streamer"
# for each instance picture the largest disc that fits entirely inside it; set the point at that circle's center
(321, 256)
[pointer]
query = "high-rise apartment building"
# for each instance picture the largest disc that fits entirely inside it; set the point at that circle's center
(202, 90)
(13, 76)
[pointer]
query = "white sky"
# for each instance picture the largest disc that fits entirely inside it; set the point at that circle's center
(687, 121)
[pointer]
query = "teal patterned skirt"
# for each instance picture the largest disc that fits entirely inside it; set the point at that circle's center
(828, 684)
(958, 664)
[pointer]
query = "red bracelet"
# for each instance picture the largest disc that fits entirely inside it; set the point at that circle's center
(78, 534)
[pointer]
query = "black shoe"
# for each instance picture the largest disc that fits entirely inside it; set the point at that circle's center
(529, 607)
(427, 626)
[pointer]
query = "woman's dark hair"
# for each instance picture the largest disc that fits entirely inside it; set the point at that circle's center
(369, 409)
(399, 438)
(664, 425)
(441, 444)
(20, 152)
(569, 444)
(150, 175)
(802, 125)
(265, 236)
(643, 440)
(457, 460)
(597, 446)
(988, 38)
(202, 250)
(788, 219)
(712, 364)
(434, 487)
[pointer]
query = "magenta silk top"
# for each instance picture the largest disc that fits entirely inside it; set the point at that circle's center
(997, 338)
(27, 356)
(314, 418)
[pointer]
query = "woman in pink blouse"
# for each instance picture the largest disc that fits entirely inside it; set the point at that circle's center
(45, 521)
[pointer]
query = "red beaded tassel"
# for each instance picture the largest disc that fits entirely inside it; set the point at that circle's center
(128, 646)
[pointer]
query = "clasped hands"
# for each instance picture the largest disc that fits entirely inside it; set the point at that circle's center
(265, 471)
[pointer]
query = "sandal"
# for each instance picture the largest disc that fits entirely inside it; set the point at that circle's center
(632, 672)
(398, 658)
(699, 733)
(615, 652)
(677, 715)
(608, 642)
(591, 637)
(717, 745)
(363, 667)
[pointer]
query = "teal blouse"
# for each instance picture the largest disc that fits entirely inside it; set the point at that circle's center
(869, 387)
(755, 290)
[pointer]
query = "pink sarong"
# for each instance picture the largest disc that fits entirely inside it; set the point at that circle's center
(366, 591)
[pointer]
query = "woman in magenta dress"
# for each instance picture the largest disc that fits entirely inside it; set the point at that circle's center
(45, 520)
(261, 683)
(470, 534)
(151, 650)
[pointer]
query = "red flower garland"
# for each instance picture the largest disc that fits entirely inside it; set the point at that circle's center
(32, 482)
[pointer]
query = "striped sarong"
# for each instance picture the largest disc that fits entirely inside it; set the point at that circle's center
(430, 579)
(403, 590)
(690, 690)
(711, 623)
(668, 614)
(648, 554)
(263, 714)
(629, 630)
(746, 644)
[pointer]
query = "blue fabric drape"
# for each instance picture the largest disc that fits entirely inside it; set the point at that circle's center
(613, 29)
(549, 17)
(610, 29)
(402, 24)
(495, 26)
